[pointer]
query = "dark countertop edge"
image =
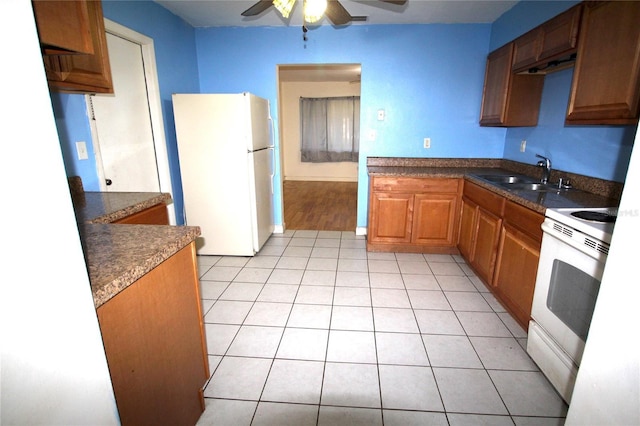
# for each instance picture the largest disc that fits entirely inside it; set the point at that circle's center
(154, 198)
(601, 187)
(168, 241)
(117, 255)
(461, 168)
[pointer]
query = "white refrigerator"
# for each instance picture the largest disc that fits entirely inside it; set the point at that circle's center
(227, 166)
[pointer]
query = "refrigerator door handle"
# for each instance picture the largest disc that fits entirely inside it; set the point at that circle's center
(273, 166)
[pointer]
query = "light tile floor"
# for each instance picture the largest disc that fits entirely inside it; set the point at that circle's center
(314, 330)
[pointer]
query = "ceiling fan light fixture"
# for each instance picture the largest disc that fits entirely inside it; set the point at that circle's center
(314, 10)
(284, 7)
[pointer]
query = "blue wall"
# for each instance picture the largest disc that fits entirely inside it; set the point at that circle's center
(427, 78)
(598, 151)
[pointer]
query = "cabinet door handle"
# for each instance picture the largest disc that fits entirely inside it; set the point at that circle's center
(108, 182)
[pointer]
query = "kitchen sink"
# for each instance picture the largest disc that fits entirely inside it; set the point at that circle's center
(533, 187)
(508, 179)
(520, 183)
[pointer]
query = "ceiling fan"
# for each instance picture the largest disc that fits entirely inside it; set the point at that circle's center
(336, 13)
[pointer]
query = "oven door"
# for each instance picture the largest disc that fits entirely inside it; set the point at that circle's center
(566, 289)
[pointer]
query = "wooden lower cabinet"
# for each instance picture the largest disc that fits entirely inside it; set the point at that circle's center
(392, 221)
(154, 215)
(480, 229)
(517, 260)
(501, 241)
(516, 271)
(154, 341)
(486, 244)
(434, 217)
(413, 214)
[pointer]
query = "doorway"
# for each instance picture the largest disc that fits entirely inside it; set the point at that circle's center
(316, 196)
(127, 126)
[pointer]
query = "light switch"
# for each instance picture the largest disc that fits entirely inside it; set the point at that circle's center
(81, 147)
(380, 115)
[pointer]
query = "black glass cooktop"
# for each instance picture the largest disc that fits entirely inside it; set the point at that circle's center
(594, 216)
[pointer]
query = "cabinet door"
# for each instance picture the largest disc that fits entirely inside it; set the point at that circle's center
(63, 26)
(526, 49)
(496, 85)
(516, 271)
(509, 99)
(155, 215)
(391, 215)
(486, 244)
(606, 79)
(434, 219)
(467, 229)
(154, 341)
(83, 73)
(560, 34)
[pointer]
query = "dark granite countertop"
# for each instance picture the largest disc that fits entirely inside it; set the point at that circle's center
(588, 192)
(118, 254)
(107, 207)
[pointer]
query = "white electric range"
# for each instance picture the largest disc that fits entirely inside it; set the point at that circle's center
(575, 246)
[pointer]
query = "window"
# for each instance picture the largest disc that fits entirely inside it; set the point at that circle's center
(330, 129)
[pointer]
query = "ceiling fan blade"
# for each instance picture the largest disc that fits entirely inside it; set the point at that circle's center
(258, 8)
(337, 13)
(398, 2)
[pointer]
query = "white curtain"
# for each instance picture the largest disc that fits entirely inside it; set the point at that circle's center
(330, 129)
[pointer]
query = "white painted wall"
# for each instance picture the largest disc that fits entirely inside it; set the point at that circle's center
(607, 390)
(53, 367)
(293, 168)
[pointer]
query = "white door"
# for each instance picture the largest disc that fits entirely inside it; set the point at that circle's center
(123, 125)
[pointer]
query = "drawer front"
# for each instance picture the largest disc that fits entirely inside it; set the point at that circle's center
(486, 199)
(415, 185)
(524, 219)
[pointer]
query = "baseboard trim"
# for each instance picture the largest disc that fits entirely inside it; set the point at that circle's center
(361, 230)
(278, 229)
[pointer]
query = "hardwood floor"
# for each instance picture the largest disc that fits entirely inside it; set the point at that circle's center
(322, 206)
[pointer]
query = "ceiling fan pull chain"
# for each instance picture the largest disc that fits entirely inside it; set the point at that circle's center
(304, 33)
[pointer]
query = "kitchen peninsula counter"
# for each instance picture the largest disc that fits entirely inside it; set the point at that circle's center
(117, 255)
(145, 287)
(588, 192)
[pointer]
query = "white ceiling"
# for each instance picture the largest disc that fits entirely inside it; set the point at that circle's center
(216, 13)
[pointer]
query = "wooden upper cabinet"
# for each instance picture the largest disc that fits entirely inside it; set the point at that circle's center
(555, 39)
(509, 99)
(63, 27)
(526, 50)
(80, 72)
(606, 79)
(560, 34)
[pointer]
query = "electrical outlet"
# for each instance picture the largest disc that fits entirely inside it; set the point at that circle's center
(81, 147)
(523, 145)
(427, 143)
(372, 135)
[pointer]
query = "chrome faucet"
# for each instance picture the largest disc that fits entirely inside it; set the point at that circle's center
(546, 163)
